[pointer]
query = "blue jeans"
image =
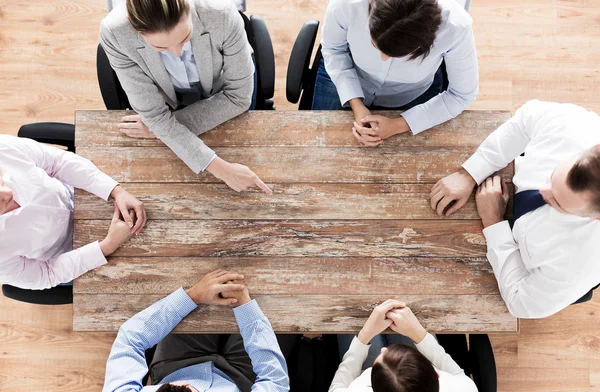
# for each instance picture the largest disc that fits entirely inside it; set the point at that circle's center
(253, 104)
(377, 344)
(327, 98)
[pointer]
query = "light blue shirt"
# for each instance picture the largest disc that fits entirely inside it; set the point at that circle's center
(182, 70)
(356, 68)
(126, 365)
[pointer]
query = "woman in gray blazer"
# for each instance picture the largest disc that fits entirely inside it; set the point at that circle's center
(186, 67)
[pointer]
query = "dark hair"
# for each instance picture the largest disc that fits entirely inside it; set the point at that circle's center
(173, 388)
(404, 27)
(154, 16)
(585, 175)
(404, 369)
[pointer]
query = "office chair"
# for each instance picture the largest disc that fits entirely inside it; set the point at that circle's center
(63, 135)
(114, 96)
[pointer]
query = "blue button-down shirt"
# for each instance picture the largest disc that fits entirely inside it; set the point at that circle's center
(357, 70)
(182, 70)
(126, 364)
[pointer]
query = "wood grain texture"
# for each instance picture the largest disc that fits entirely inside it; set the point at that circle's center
(305, 275)
(288, 238)
(294, 128)
(314, 313)
(289, 164)
(289, 201)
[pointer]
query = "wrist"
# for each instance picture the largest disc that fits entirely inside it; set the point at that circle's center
(418, 334)
(218, 167)
(192, 292)
(242, 301)
(467, 176)
(365, 337)
(491, 222)
(400, 125)
(116, 191)
(108, 247)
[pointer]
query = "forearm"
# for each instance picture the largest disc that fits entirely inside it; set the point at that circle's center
(351, 366)
(263, 349)
(436, 354)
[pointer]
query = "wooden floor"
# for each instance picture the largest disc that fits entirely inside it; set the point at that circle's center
(527, 49)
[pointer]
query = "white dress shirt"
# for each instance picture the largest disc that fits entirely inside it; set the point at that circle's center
(356, 68)
(348, 377)
(182, 70)
(550, 259)
(36, 239)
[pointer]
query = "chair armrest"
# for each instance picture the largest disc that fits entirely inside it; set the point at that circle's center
(263, 54)
(61, 134)
(59, 295)
(483, 363)
(298, 66)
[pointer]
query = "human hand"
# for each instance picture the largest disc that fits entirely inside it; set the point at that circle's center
(133, 126)
(242, 296)
(385, 127)
(118, 233)
(405, 323)
(126, 202)
(237, 177)
(207, 290)
(377, 321)
(491, 199)
(455, 188)
(362, 132)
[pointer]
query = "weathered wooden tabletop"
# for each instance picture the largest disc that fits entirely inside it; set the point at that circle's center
(346, 228)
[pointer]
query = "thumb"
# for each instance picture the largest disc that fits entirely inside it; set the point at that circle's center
(224, 288)
(225, 301)
(504, 189)
(126, 217)
(374, 118)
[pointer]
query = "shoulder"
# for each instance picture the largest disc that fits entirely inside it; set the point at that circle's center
(454, 17)
(116, 22)
(459, 382)
(348, 6)
(212, 6)
(551, 109)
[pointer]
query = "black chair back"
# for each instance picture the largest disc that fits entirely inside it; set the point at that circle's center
(59, 295)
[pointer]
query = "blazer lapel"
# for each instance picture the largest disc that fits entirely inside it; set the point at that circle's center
(157, 68)
(202, 54)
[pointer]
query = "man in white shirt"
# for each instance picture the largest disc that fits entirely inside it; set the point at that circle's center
(551, 258)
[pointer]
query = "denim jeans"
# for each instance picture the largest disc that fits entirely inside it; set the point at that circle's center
(377, 344)
(254, 93)
(327, 98)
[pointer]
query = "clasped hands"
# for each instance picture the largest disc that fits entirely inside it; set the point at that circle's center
(220, 287)
(396, 316)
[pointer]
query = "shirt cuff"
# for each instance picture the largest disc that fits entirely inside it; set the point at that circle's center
(349, 89)
(181, 302)
(248, 313)
(427, 345)
(498, 234)
(209, 162)
(92, 256)
(478, 168)
(103, 186)
(415, 120)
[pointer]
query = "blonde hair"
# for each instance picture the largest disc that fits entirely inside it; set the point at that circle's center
(155, 16)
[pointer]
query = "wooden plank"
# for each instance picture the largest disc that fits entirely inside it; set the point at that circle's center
(293, 128)
(301, 276)
(289, 201)
(289, 164)
(288, 238)
(306, 313)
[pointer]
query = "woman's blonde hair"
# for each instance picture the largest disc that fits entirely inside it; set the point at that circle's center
(155, 16)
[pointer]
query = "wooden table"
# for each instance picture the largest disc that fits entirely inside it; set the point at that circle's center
(346, 228)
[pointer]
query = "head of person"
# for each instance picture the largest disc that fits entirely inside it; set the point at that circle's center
(404, 28)
(164, 24)
(401, 368)
(574, 186)
(6, 196)
(176, 387)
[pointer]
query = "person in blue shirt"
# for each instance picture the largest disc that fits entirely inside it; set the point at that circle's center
(251, 361)
(388, 54)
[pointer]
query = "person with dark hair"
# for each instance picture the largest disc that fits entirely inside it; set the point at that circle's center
(388, 54)
(186, 67)
(409, 361)
(248, 362)
(549, 259)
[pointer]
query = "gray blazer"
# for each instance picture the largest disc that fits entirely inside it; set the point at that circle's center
(225, 70)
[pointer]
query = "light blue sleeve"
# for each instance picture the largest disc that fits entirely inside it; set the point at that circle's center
(262, 347)
(126, 365)
(463, 85)
(336, 53)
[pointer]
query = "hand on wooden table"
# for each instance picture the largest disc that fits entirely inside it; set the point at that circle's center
(213, 289)
(377, 321)
(452, 191)
(491, 198)
(242, 296)
(133, 126)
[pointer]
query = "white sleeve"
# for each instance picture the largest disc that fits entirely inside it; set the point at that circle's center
(336, 53)
(351, 366)
(65, 166)
(535, 293)
(436, 354)
(43, 274)
(507, 142)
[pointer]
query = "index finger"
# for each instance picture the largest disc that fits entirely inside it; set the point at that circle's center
(131, 117)
(229, 276)
(223, 288)
(260, 184)
(140, 217)
(364, 130)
